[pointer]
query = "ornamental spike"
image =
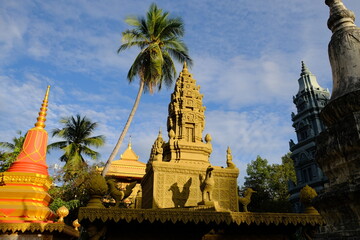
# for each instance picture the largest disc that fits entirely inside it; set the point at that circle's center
(42, 114)
(185, 70)
(304, 69)
(129, 144)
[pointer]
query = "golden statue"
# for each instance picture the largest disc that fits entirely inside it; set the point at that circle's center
(207, 185)
(119, 194)
(245, 201)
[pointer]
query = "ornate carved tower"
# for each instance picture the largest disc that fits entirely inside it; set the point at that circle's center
(186, 122)
(174, 169)
(309, 101)
(338, 147)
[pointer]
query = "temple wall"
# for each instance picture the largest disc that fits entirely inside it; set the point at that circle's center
(178, 185)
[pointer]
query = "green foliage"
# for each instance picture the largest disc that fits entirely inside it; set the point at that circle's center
(159, 38)
(270, 182)
(58, 202)
(77, 137)
(14, 149)
(72, 193)
(281, 174)
(74, 188)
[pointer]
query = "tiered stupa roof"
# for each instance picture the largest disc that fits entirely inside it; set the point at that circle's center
(128, 166)
(307, 81)
(186, 123)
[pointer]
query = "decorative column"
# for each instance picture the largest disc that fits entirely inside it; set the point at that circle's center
(338, 147)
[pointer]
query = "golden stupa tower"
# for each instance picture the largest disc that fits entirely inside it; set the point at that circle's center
(24, 186)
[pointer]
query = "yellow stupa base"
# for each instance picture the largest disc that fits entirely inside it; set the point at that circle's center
(24, 197)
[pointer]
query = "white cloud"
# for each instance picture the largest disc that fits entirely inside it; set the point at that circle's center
(240, 81)
(12, 30)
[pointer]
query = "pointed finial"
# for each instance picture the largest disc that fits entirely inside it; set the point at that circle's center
(340, 16)
(229, 157)
(304, 69)
(228, 150)
(159, 137)
(129, 144)
(185, 70)
(42, 114)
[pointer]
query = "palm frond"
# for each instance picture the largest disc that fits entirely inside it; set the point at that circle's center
(96, 141)
(89, 152)
(57, 145)
(140, 44)
(133, 21)
(133, 35)
(180, 56)
(57, 132)
(169, 70)
(71, 150)
(7, 145)
(140, 60)
(74, 164)
(173, 28)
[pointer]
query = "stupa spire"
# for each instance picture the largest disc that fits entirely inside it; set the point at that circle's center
(42, 114)
(32, 158)
(307, 80)
(185, 69)
(129, 144)
(304, 69)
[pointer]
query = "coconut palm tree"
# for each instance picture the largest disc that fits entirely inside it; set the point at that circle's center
(77, 137)
(14, 149)
(159, 38)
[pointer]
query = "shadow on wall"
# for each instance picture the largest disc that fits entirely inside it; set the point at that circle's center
(180, 198)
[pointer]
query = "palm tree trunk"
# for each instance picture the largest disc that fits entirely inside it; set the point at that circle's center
(124, 131)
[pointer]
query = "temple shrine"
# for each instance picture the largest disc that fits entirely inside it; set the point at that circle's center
(175, 169)
(126, 170)
(183, 195)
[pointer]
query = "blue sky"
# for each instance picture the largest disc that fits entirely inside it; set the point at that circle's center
(246, 56)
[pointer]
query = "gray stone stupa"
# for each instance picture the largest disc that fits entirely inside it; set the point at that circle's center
(338, 147)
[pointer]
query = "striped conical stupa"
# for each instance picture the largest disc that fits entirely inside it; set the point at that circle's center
(24, 187)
